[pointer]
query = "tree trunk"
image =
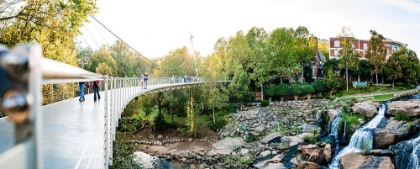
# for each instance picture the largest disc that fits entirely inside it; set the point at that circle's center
(347, 78)
(214, 120)
(262, 93)
(172, 113)
(376, 78)
(281, 79)
(358, 78)
(309, 96)
(269, 99)
(296, 97)
(282, 98)
(392, 83)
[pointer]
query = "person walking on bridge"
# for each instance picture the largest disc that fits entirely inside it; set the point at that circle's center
(96, 85)
(82, 91)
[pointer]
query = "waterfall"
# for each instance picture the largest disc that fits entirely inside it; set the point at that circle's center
(413, 161)
(334, 129)
(362, 136)
(344, 130)
(334, 126)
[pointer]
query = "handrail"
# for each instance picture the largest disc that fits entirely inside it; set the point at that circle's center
(118, 93)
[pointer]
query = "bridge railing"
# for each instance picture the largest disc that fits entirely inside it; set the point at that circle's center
(23, 71)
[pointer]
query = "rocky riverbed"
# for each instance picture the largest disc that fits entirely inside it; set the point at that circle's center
(274, 137)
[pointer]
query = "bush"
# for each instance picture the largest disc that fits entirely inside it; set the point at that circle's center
(128, 124)
(265, 103)
(184, 130)
(402, 117)
(159, 121)
(319, 86)
(220, 123)
(411, 126)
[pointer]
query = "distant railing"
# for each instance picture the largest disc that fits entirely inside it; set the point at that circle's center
(27, 71)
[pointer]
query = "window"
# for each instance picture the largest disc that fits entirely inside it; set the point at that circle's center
(336, 43)
(364, 45)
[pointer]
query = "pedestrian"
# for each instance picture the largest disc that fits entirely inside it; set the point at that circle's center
(146, 78)
(142, 81)
(96, 85)
(82, 91)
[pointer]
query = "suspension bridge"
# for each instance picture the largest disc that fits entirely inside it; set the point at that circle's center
(68, 133)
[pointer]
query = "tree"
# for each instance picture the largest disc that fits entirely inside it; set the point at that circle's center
(280, 53)
(270, 91)
(296, 90)
(103, 58)
(364, 68)
(308, 90)
(331, 81)
(282, 90)
(319, 86)
(159, 121)
(376, 52)
(303, 51)
(257, 41)
(392, 68)
(238, 88)
(348, 59)
(410, 65)
(83, 57)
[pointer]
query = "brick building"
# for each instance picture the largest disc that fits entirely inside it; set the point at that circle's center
(361, 45)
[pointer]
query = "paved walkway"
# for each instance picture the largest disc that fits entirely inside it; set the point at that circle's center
(377, 93)
(67, 126)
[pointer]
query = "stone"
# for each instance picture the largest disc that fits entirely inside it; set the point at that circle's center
(190, 140)
(307, 165)
(332, 113)
(151, 136)
(381, 162)
(410, 107)
(265, 153)
(244, 151)
(366, 108)
(259, 129)
(272, 138)
(159, 137)
(327, 153)
(353, 160)
(275, 166)
(313, 153)
(226, 146)
(394, 132)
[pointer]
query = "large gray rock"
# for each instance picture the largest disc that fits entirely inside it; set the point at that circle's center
(272, 138)
(332, 113)
(226, 146)
(366, 108)
(410, 107)
(381, 162)
(394, 132)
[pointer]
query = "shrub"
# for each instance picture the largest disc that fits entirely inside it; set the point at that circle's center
(366, 146)
(184, 130)
(265, 103)
(345, 109)
(411, 126)
(270, 90)
(250, 138)
(282, 90)
(319, 86)
(159, 121)
(402, 117)
(220, 123)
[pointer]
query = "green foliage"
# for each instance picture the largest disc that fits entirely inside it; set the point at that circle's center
(270, 90)
(123, 156)
(376, 53)
(366, 146)
(251, 138)
(184, 131)
(312, 138)
(159, 121)
(295, 89)
(283, 89)
(265, 103)
(319, 86)
(402, 117)
(411, 126)
(128, 124)
(352, 122)
(307, 89)
(331, 81)
(345, 109)
(238, 160)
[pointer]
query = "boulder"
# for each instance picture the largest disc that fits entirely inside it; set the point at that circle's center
(226, 146)
(275, 166)
(381, 162)
(313, 152)
(307, 165)
(332, 113)
(394, 132)
(366, 108)
(353, 160)
(272, 138)
(410, 107)
(327, 153)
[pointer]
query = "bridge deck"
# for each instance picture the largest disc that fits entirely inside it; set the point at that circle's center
(72, 128)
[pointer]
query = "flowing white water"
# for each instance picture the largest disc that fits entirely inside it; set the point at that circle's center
(413, 161)
(334, 128)
(362, 136)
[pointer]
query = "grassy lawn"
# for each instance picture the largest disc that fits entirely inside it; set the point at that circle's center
(379, 98)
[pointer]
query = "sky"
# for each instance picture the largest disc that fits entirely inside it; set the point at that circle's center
(154, 28)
